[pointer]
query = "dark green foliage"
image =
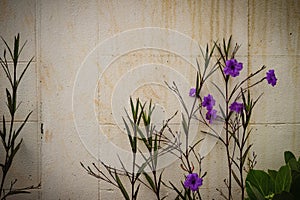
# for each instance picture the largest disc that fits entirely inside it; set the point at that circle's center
(277, 185)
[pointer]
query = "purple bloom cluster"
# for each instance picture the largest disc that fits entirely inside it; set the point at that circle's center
(211, 115)
(271, 78)
(193, 182)
(236, 107)
(233, 67)
(192, 92)
(209, 103)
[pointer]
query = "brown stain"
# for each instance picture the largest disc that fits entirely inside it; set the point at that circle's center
(151, 93)
(232, 11)
(168, 13)
(225, 22)
(97, 102)
(292, 27)
(48, 136)
(110, 9)
(258, 28)
(217, 18)
(211, 19)
(265, 26)
(4, 10)
(192, 10)
(199, 21)
(251, 19)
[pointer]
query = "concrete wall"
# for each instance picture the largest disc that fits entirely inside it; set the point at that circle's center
(75, 41)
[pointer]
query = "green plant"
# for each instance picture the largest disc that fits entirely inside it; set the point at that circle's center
(283, 184)
(10, 134)
(140, 131)
(232, 111)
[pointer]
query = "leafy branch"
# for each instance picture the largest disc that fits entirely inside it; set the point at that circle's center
(9, 135)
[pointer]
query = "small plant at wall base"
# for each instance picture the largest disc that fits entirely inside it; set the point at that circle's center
(233, 111)
(283, 184)
(10, 133)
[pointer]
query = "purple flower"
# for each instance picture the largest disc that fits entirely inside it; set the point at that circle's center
(271, 78)
(208, 102)
(192, 92)
(233, 67)
(211, 115)
(193, 181)
(236, 107)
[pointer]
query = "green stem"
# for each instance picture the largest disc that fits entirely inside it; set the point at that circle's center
(2, 182)
(227, 140)
(241, 164)
(133, 177)
(9, 142)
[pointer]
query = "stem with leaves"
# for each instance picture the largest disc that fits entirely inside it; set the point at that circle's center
(236, 124)
(152, 140)
(9, 137)
(189, 154)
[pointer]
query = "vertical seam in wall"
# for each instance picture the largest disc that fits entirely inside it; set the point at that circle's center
(39, 107)
(98, 40)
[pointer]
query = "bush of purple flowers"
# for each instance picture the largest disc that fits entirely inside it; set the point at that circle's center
(233, 111)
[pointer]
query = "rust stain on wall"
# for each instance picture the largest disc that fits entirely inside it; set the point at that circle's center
(48, 136)
(4, 10)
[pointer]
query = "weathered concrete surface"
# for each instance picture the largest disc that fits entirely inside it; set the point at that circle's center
(61, 34)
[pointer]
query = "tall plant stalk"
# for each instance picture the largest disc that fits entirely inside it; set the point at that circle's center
(9, 136)
(236, 120)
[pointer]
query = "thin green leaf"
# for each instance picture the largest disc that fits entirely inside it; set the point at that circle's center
(132, 109)
(222, 111)
(294, 165)
(22, 125)
(16, 49)
(253, 192)
(228, 46)
(273, 174)
(7, 46)
(246, 154)
(176, 190)
(218, 88)
(234, 137)
(128, 133)
(21, 49)
(121, 187)
(159, 181)
(25, 69)
(288, 156)
(261, 181)
(4, 65)
(283, 179)
(143, 138)
(248, 134)
(15, 150)
(136, 192)
(4, 128)
(9, 101)
(184, 125)
(141, 168)
(236, 179)
(213, 69)
(150, 181)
